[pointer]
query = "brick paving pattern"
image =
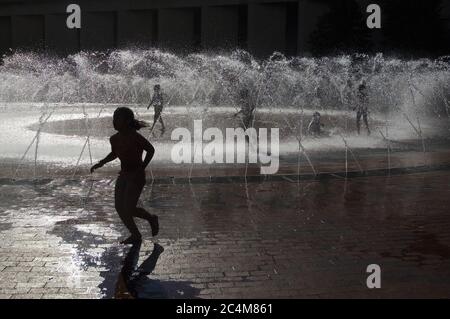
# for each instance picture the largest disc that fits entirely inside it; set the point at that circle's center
(271, 239)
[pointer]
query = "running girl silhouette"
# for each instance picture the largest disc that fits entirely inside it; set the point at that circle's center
(128, 145)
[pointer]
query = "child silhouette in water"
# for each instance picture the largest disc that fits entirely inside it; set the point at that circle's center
(315, 126)
(128, 145)
(361, 109)
(247, 108)
(157, 102)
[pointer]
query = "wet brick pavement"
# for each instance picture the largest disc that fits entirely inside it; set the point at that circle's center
(271, 239)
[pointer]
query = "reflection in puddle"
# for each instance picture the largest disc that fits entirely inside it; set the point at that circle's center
(133, 281)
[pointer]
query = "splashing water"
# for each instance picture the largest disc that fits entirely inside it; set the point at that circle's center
(127, 76)
(403, 94)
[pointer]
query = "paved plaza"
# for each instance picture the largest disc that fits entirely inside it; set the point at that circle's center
(228, 238)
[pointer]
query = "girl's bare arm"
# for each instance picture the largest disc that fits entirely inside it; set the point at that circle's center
(150, 151)
(109, 158)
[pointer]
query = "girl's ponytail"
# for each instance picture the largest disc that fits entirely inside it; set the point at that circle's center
(137, 125)
(128, 115)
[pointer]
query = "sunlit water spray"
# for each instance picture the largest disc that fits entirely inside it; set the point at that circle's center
(407, 100)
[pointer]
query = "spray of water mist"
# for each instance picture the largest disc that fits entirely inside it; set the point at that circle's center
(412, 90)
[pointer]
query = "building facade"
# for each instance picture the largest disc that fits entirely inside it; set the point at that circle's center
(259, 26)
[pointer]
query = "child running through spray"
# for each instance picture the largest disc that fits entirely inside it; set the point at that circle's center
(361, 109)
(315, 126)
(128, 145)
(247, 108)
(157, 102)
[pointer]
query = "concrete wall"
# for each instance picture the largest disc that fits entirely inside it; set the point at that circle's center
(99, 30)
(137, 27)
(179, 29)
(261, 26)
(64, 40)
(5, 34)
(446, 10)
(28, 31)
(182, 25)
(309, 13)
(267, 28)
(221, 27)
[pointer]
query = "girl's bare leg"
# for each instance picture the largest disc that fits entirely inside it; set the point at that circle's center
(121, 201)
(132, 194)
